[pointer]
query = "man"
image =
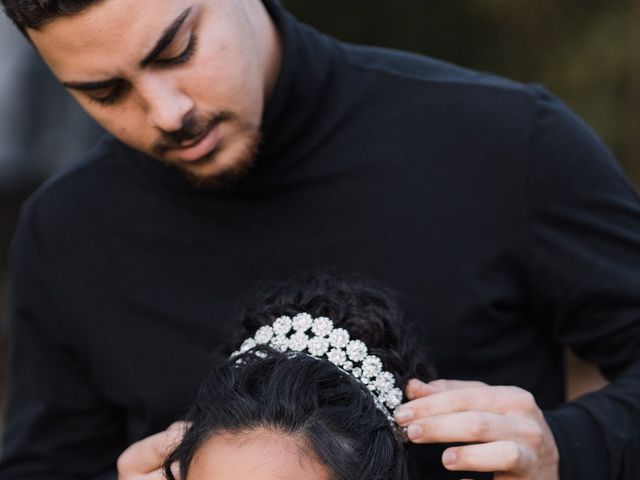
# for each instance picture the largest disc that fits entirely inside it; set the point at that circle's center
(248, 146)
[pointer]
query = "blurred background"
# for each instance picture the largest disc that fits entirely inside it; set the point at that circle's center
(584, 51)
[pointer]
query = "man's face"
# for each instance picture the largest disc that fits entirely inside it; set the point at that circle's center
(182, 80)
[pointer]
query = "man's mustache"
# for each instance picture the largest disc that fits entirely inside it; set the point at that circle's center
(192, 128)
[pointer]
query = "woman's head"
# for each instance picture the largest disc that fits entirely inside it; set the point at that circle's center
(267, 414)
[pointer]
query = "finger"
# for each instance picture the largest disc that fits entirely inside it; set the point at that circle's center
(177, 430)
(444, 384)
(417, 389)
(502, 456)
(144, 456)
(148, 454)
(175, 470)
(155, 475)
(465, 427)
(484, 399)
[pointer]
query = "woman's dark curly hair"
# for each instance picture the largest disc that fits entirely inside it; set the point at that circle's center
(310, 398)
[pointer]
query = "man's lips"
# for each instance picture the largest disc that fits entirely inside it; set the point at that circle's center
(200, 147)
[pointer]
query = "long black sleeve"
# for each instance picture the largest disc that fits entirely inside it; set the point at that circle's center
(585, 266)
(56, 427)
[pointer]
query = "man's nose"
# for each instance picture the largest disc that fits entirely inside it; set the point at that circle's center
(166, 105)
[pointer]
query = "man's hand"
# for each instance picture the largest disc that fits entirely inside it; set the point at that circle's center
(505, 428)
(144, 459)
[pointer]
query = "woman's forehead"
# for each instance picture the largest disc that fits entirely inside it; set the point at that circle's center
(259, 455)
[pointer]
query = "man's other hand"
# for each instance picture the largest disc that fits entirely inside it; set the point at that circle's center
(504, 428)
(143, 460)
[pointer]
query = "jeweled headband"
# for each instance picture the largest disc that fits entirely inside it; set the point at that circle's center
(319, 338)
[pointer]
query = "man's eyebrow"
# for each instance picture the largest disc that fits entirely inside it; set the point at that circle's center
(88, 86)
(166, 39)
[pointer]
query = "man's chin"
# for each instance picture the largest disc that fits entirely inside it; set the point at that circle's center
(224, 166)
(221, 178)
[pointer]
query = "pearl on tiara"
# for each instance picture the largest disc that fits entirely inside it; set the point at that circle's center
(319, 338)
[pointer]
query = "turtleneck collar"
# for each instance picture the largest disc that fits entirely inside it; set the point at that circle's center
(306, 73)
(289, 115)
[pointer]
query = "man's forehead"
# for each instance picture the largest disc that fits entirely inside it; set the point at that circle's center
(105, 35)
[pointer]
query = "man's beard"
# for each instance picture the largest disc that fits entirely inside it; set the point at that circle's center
(237, 149)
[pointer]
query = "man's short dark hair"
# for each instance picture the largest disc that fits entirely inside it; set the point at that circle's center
(35, 13)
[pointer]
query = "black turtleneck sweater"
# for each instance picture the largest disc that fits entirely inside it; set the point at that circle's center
(501, 218)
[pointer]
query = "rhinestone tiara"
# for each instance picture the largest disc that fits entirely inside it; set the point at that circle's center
(319, 338)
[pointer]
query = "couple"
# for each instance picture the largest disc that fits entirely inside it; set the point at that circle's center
(244, 144)
(313, 391)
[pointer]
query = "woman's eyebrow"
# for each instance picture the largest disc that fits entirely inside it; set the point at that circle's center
(166, 39)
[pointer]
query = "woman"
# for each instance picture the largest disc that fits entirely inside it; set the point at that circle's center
(311, 392)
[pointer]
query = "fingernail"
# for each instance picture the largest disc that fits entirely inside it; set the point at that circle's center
(419, 386)
(403, 414)
(449, 458)
(175, 469)
(415, 383)
(414, 431)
